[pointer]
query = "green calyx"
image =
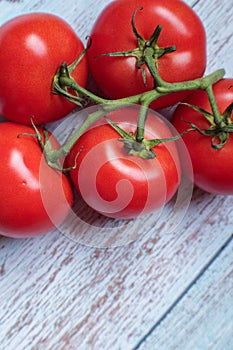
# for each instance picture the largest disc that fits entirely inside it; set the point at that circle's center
(219, 129)
(140, 149)
(52, 156)
(148, 52)
(144, 148)
(131, 145)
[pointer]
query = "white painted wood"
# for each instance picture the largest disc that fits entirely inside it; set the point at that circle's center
(203, 319)
(217, 17)
(56, 294)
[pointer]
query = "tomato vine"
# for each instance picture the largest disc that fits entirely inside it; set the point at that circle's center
(147, 53)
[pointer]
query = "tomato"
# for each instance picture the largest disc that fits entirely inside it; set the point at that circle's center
(213, 168)
(120, 185)
(119, 77)
(32, 47)
(34, 198)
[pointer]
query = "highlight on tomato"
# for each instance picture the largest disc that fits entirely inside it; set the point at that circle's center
(211, 144)
(32, 48)
(34, 198)
(120, 177)
(128, 34)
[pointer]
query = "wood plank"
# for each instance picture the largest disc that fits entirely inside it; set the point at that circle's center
(217, 18)
(57, 294)
(203, 319)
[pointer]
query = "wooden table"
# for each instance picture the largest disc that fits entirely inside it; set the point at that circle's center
(164, 291)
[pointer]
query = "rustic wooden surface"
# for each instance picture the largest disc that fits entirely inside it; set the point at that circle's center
(166, 290)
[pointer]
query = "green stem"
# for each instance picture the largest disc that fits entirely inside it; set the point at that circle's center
(63, 81)
(162, 88)
(202, 83)
(54, 156)
(145, 102)
(217, 116)
(141, 122)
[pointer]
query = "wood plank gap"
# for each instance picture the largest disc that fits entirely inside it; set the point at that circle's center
(188, 288)
(196, 3)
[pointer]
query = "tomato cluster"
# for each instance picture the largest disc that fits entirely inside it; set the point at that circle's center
(122, 166)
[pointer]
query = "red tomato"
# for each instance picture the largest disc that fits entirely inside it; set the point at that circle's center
(119, 77)
(34, 198)
(120, 185)
(32, 47)
(212, 168)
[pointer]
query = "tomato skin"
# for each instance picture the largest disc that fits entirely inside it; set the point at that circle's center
(212, 168)
(32, 47)
(119, 77)
(34, 198)
(119, 185)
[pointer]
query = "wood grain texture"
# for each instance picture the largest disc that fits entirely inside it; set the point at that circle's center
(57, 294)
(197, 321)
(218, 17)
